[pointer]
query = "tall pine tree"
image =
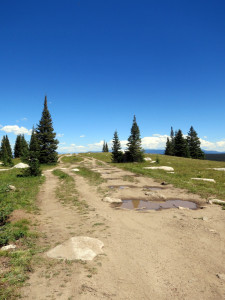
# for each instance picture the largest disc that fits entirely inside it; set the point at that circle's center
(194, 144)
(46, 137)
(24, 149)
(8, 147)
(134, 152)
(106, 147)
(180, 145)
(169, 148)
(117, 155)
(5, 153)
(17, 147)
(103, 147)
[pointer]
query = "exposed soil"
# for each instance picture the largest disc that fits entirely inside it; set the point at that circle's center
(167, 254)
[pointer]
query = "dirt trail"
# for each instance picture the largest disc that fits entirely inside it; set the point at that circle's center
(168, 254)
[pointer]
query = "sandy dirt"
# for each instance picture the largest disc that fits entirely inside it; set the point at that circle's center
(167, 254)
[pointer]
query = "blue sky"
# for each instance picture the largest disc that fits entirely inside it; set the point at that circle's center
(100, 62)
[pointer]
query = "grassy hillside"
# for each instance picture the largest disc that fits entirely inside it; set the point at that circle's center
(184, 169)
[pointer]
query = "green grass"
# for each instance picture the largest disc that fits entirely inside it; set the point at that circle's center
(72, 159)
(67, 192)
(18, 260)
(184, 169)
(94, 178)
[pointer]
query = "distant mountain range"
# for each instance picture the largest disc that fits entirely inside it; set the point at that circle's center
(161, 151)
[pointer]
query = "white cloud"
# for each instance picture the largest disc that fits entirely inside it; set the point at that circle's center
(71, 148)
(16, 129)
(60, 134)
(157, 141)
(82, 136)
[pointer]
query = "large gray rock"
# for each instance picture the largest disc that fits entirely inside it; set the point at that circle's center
(159, 168)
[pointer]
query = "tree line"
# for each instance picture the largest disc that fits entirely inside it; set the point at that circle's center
(40, 150)
(178, 145)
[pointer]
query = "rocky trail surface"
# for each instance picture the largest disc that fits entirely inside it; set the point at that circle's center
(166, 254)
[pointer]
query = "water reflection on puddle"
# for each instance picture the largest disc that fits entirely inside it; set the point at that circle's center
(151, 205)
(121, 187)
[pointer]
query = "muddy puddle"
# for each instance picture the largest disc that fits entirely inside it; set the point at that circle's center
(121, 187)
(155, 205)
(153, 188)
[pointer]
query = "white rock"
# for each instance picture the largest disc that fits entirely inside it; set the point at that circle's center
(152, 162)
(205, 219)
(218, 169)
(1, 163)
(112, 200)
(204, 179)
(21, 166)
(216, 201)
(8, 247)
(221, 276)
(83, 248)
(160, 168)
(184, 208)
(170, 172)
(147, 159)
(4, 169)
(75, 170)
(11, 187)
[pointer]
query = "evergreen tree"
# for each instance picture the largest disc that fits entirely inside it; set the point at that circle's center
(34, 152)
(194, 144)
(169, 147)
(117, 155)
(46, 137)
(103, 147)
(24, 149)
(8, 147)
(17, 147)
(172, 140)
(34, 147)
(180, 145)
(134, 152)
(5, 156)
(106, 147)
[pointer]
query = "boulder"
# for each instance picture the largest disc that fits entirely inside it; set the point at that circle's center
(20, 166)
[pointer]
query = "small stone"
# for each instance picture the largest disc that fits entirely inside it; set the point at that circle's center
(11, 187)
(147, 159)
(164, 183)
(212, 230)
(8, 247)
(221, 276)
(75, 170)
(205, 219)
(112, 200)
(183, 208)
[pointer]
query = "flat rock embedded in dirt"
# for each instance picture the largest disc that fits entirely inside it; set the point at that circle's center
(205, 179)
(218, 169)
(112, 200)
(216, 201)
(160, 168)
(4, 169)
(82, 247)
(75, 170)
(8, 247)
(20, 166)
